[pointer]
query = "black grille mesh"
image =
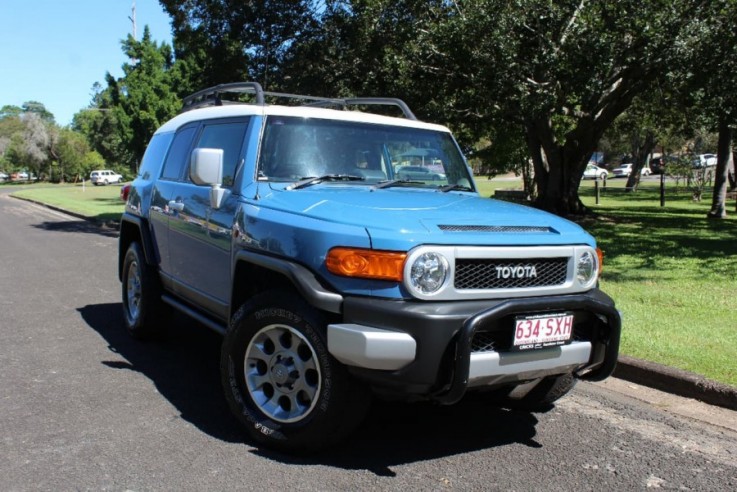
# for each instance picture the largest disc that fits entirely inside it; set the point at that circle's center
(484, 342)
(485, 274)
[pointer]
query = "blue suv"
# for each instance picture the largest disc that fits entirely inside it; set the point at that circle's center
(334, 274)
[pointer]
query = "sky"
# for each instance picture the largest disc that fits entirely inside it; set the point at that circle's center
(53, 51)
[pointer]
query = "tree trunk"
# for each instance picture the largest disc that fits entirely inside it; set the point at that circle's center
(558, 168)
(641, 149)
(724, 158)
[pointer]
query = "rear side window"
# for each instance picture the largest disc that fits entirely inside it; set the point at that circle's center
(177, 159)
(154, 155)
(226, 136)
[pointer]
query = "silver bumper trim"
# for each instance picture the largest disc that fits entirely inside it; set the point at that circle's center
(490, 368)
(371, 348)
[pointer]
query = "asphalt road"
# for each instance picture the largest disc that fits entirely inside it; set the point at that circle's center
(83, 407)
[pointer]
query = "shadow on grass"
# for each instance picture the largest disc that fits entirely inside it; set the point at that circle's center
(184, 367)
(110, 201)
(650, 233)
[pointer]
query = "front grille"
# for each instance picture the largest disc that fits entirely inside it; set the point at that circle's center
(492, 228)
(484, 342)
(476, 274)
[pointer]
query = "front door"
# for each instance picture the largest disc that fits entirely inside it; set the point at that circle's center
(200, 237)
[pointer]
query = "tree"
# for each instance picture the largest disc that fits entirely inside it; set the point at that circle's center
(220, 41)
(10, 111)
(100, 126)
(717, 57)
(39, 109)
(143, 98)
(561, 71)
(38, 136)
(74, 158)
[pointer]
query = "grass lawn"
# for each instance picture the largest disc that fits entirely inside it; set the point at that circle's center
(672, 272)
(101, 203)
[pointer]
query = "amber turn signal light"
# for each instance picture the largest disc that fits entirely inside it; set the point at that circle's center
(366, 263)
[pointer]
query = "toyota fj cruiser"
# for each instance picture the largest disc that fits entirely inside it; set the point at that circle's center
(335, 275)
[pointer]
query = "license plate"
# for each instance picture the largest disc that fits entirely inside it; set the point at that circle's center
(541, 331)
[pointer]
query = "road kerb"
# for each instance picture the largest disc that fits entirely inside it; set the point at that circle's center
(676, 381)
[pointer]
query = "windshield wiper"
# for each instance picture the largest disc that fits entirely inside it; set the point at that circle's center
(310, 180)
(454, 187)
(395, 182)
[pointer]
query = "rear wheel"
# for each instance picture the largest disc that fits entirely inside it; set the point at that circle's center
(281, 382)
(144, 312)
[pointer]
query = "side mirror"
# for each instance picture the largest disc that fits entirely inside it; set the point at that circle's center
(206, 168)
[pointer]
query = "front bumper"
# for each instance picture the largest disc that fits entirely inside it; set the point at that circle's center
(428, 349)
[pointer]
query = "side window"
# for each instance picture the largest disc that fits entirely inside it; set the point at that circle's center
(151, 163)
(176, 161)
(226, 136)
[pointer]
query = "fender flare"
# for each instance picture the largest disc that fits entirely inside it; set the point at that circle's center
(300, 277)
(127, 220)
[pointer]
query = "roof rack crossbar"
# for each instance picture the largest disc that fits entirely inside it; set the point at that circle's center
(211, 96)
(367, 101)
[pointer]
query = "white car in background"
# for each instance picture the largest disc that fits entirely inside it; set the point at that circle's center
(105, 177)
(625, 170)
(595, 172)
(705, 160)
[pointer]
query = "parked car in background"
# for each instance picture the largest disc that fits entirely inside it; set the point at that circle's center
(4, 177)
(659, 164)
(105, 177)
(418, 173)
(595, 172)
(625, 170)
(704, 160)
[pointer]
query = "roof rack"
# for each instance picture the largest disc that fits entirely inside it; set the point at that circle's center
(211, 97)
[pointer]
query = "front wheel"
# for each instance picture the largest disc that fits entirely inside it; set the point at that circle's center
(281, 382)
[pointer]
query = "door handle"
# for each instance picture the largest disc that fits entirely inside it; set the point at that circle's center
(178, 206)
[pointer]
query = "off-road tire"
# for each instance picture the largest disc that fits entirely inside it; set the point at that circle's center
(144, 314)
(281, 382)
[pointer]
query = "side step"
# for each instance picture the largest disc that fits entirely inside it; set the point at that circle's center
(208, 322)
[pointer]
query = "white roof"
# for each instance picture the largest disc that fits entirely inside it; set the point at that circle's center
(234, 110)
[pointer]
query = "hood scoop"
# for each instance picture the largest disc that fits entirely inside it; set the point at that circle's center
(496, 228)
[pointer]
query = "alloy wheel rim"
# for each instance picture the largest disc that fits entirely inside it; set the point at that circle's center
(282, 373)
(133, 289)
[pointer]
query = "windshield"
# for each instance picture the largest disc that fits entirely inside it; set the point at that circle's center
(298, 148)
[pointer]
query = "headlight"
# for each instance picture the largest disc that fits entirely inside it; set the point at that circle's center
(428, 273)
(587, 268)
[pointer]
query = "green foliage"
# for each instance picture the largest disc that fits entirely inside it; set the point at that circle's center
(563, 71)
(139, 102)
(221, 41)
(39, 109)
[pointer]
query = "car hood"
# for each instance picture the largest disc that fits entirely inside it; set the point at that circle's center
(394, 217)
